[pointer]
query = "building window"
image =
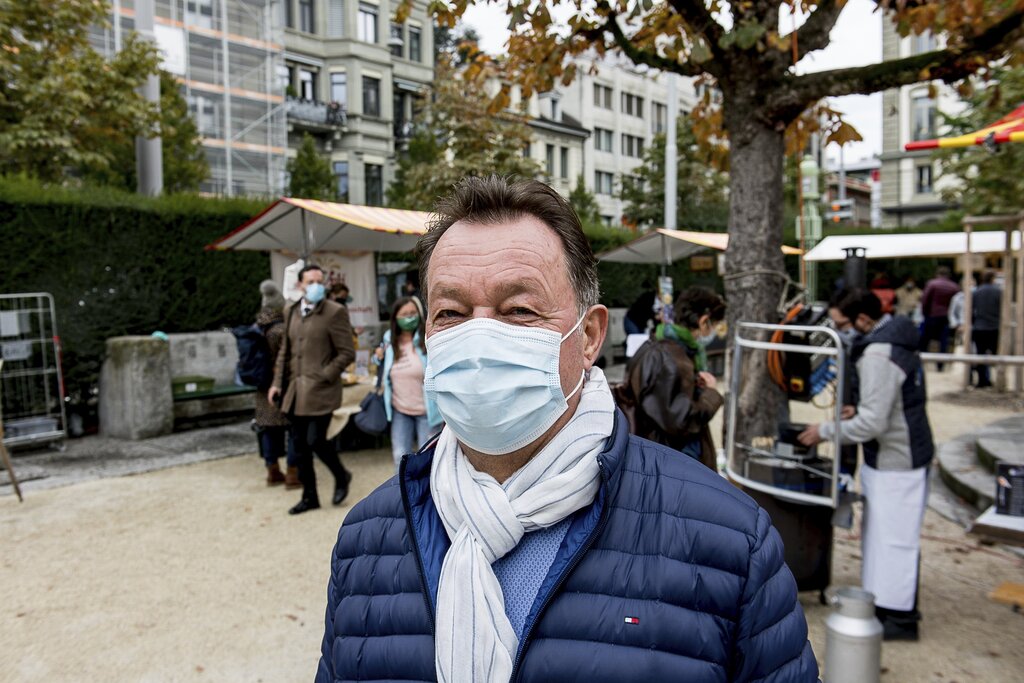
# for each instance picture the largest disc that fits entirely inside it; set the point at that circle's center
(306, 16)
(632, 105)
(284, 76)
(335, 18)
(607, 220)
(632, 146)
(200, 12)
(923, 176)
(922, 110)
(922, 42)
(307, 85)
(415, 44)
(603, 140)
(602, 182)
(341, 175)
(339, 88)
(659, 117)
(565, 163)
(368, 23)
(549, 160)
(526, 151)
(286, 10)
(396, 42)
(374, 185)
(602, 96)
(555, 112)
(371, 96)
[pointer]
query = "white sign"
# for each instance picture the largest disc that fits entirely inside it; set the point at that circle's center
(171, 43)
(16, 350)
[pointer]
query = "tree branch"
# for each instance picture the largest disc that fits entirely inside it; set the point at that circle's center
(635, 54)
(814, 34)
(947, 65)
(695, 13)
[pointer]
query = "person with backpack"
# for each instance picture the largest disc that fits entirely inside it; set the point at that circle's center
(258, 346)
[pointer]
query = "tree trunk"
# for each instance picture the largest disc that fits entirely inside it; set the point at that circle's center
(753, 261)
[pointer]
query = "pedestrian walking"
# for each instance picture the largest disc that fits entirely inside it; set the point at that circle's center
(674, 396)
(935, 307)
(985, 309)
(908, 299)
(271, 424)
(402, 356)
(892, 426)
(317, 347)
(536, 539)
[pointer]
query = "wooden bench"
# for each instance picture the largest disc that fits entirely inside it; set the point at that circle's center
(228, 401)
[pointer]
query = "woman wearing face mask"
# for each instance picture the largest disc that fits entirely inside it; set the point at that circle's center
(402, 355)
(673, 395)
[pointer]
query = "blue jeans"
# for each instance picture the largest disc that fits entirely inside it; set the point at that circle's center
(408, 434)
(272, 445)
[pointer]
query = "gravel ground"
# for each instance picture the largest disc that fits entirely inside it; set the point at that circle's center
(195, 573)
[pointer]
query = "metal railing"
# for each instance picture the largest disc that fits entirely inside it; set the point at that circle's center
(311, 111)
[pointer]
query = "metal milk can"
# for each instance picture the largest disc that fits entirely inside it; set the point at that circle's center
(853, 638)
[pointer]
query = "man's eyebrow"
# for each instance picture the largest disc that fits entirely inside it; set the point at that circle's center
(505, 290)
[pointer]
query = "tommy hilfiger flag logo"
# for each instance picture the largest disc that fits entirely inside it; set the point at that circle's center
(632, 620)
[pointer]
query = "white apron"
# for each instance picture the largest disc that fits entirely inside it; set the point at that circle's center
(894, 503)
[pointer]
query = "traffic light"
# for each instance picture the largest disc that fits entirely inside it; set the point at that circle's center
(839, 210)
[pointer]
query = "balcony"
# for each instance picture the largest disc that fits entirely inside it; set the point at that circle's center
(315, 116)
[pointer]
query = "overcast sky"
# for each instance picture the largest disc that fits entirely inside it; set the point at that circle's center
(856, 40)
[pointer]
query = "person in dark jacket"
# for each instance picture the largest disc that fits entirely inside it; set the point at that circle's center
(891, 423)
(986, 307)
(535, 539)
(674, 395)
(641, 312)
(271, 423)
(935, 299)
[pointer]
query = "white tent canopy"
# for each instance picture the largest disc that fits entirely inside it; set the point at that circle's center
(305, 226)
(911, 245)
(665, 246)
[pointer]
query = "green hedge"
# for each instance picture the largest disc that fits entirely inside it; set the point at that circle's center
(117, 263)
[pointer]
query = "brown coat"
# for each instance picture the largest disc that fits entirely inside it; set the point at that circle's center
(669, 407)
(318, 347)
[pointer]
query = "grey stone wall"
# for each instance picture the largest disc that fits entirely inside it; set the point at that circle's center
(135, 389)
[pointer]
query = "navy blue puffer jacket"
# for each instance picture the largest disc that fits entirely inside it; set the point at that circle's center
(667, 543)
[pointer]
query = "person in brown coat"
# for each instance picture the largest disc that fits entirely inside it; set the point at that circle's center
(673, 395)
(318, 346)
(271, 423)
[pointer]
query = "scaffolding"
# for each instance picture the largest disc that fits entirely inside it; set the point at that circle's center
(228, 56)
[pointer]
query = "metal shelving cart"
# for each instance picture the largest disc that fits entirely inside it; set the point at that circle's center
(800, 487)
(31, 378)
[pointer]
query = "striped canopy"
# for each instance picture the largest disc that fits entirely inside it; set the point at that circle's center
(1010, 128)
(305, 226)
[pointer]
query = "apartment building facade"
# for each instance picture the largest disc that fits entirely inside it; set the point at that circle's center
(910, 186)
(353, 78)
(225, 54)
(623, 107)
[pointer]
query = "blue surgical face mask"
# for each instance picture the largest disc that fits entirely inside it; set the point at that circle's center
(315, 293)
(707, 338)
(496, 385)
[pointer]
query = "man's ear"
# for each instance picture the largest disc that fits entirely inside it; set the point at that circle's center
(595, 327)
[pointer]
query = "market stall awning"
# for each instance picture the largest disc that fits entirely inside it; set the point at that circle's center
(1010, 128)
(911, 245)
(305, 226)
(665, 246)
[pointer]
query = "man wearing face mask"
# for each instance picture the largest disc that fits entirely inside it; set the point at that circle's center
(535, 539)
(317, 347)
(673, 394)
(891, 423)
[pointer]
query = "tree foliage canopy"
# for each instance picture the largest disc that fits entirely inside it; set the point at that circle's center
(991, 181)
(62, 101)
(701, 190)
(310, 174)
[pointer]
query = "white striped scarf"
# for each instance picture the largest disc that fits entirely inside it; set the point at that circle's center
(474, 640)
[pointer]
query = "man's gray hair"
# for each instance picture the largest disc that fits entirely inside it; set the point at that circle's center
(495, 199)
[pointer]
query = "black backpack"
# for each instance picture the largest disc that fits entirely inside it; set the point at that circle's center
(255, 363)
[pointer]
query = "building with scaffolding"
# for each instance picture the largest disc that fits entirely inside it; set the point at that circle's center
(227, 55)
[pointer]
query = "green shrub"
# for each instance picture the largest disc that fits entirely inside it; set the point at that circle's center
(118, 264)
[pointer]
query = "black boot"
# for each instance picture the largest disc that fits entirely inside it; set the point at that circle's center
(341, 487)
(897, 624)
(304, 505)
